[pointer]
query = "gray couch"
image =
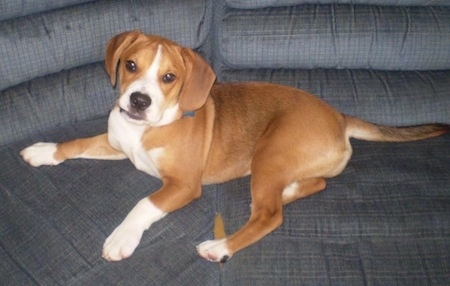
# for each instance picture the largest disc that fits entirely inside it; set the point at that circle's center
(384, 221)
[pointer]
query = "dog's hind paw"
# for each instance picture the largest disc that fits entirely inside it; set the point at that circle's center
(40, 154)
(214, 250)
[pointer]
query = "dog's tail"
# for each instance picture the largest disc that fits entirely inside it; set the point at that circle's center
(360, 129)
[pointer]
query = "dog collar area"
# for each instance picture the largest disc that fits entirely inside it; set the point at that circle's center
(188, 114)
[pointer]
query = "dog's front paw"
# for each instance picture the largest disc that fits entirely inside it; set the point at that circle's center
(126, 237)
(214, 250)
(40, 154)
(121, 243)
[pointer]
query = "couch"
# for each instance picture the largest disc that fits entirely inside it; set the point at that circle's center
(384, 221)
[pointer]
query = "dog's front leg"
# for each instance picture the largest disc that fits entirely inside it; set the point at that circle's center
(45, 153)
(126, 237)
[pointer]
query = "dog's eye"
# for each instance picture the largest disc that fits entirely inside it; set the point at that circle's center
(168, 78)
(130, 66)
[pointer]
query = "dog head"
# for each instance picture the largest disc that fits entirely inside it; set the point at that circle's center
(159, 80)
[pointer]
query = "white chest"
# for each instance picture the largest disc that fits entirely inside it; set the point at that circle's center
(127, 137)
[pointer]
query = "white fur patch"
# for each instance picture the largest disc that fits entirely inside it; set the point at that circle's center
(214, 250)
(127, 137)
(147, 161)
(290, 191)
(39, 154)
(101, 157)
(126, 237)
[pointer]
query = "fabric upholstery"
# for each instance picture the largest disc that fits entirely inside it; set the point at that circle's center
(337, 36)
(256, 4)
(55, 100)
(13, 9)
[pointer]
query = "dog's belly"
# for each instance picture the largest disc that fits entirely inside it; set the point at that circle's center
(225, 174)
(127, 138)
(227, 162)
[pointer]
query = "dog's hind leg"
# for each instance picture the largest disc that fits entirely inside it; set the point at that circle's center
(266, 216)
(302, 188)
(269, 178)
(268, 198)
(278, 161)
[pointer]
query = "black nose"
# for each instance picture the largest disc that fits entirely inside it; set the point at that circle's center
(140, 101)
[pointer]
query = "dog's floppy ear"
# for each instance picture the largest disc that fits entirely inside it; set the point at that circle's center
(114, 49)
(199, 79)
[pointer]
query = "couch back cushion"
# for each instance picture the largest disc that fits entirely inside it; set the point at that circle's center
(337, 36)
(13, 8)
(254, 4)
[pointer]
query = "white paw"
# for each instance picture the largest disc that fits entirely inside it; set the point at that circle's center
(121, 243)
(126, 237)
(214, 250)
(40, 154)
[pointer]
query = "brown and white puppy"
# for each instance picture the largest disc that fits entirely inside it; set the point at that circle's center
(287, 139)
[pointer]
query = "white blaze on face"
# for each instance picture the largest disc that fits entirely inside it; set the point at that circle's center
(158, 113)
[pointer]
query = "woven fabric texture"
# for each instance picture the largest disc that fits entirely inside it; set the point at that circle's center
(257, 4)
(337, 36)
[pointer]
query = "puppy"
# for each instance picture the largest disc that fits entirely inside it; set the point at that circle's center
(174, 123)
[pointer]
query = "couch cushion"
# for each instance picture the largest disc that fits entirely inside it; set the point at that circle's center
(49, 42)
(255, 4)
(13, 8)
(54, 221)
(280, 261)
(384, 220)
(383, 97)
(337, 36)
(55, 100)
